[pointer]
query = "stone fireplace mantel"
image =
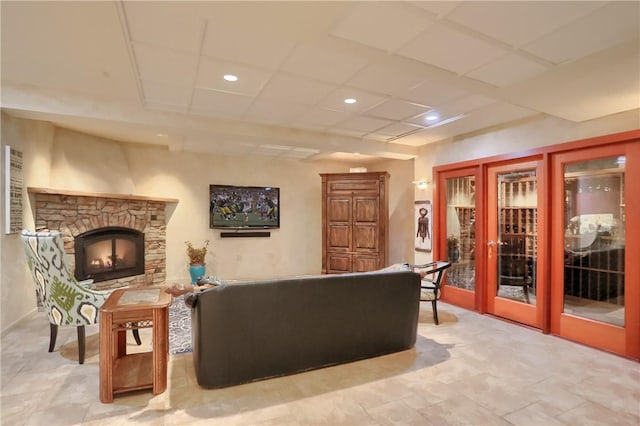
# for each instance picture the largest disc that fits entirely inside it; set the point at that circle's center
(52, 191)
(75, 212)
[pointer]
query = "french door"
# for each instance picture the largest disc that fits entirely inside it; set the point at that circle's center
(462, 219)
(595, 274)
(514, 239)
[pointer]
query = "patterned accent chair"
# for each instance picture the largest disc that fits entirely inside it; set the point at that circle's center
(67, 302)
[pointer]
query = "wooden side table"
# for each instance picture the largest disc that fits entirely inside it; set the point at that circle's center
(127, 309)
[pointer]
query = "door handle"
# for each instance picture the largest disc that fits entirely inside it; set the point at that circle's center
(491, 244)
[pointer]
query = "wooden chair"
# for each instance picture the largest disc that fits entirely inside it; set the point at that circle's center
(67, 302)
(432, 275)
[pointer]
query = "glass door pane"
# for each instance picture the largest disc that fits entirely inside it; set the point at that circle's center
(461, 231)
(594, 223)
(517, 235)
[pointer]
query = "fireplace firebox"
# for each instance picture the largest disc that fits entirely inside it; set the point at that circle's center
(108, 253)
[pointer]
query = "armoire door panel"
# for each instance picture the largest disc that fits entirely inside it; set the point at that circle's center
(363, 263)
(365, 209)
(354, 185)
(338, 263)
(339, 237)
(339, 209)
(365, 237)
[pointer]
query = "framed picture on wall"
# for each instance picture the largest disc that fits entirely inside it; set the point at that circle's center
(13, 190)
(423, 225)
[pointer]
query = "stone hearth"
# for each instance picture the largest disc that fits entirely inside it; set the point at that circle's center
(74, 213)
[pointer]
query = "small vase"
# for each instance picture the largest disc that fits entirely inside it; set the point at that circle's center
(196, 272)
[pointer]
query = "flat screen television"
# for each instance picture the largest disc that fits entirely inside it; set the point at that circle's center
(251, 207)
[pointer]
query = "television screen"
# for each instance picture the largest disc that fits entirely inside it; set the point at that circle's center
(244, 206)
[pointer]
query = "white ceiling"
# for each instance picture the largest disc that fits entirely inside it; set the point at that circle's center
(151, 72)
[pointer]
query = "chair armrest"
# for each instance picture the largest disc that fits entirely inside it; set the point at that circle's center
(424, 265)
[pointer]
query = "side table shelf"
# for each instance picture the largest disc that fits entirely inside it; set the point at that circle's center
(127, 309)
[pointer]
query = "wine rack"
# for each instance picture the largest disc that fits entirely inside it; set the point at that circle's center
(467, 221)
(461, 198)
(517, 228)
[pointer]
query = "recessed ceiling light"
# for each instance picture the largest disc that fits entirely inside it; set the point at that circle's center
(230, 77)
(350, 101)
(161, 135)
(432, 117)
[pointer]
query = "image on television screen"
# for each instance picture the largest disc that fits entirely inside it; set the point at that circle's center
(244, 206)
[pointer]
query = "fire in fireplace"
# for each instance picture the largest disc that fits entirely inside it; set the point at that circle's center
(109, 253)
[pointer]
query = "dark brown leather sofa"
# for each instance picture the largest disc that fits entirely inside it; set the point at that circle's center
(255, 330)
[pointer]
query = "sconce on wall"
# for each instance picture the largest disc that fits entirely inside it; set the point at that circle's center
(421, 184)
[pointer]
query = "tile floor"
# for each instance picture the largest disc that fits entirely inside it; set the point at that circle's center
(471, 369)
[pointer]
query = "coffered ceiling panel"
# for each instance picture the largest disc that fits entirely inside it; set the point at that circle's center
(250, 47)
(172, 26)
(135, 69)
(383, 25)
(435, 47)
(165, 66)
(432, 93)
(323, 64)
(507, 70)
(390, 77)
(274, 112)
(290, 88)
(519, 22)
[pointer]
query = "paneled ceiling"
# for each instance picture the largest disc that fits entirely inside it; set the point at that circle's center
(420, 72)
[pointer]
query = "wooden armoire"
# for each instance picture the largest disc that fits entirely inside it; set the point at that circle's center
(355, 221)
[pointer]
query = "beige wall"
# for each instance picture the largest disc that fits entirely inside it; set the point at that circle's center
(65, 159)
(400, 209)
(17, 291)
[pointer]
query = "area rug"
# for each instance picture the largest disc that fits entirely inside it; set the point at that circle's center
(179, 327)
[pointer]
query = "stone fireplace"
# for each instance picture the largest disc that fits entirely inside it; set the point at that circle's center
(95, 216)
(108, 253)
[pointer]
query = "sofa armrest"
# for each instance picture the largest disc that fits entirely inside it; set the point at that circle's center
(191, 299)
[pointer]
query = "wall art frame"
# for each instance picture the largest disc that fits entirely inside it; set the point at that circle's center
(423, 213)
(13, 190)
